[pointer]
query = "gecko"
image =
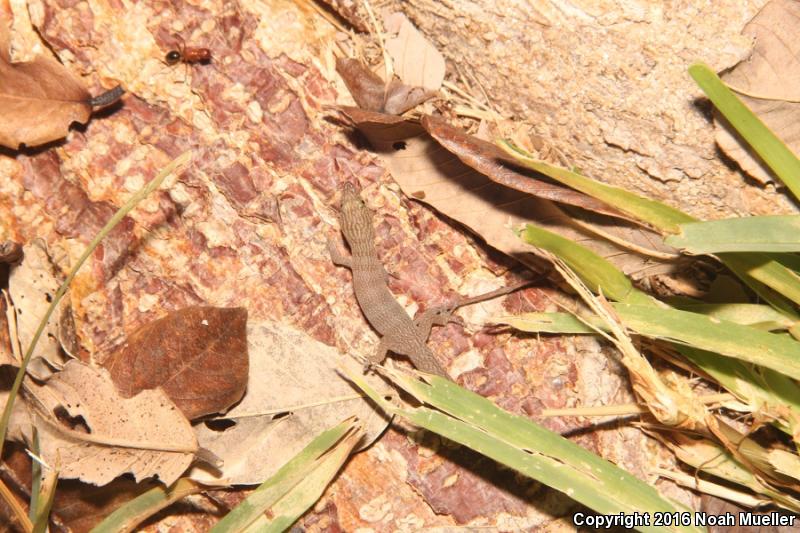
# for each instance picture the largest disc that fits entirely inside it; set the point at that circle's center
(399, 333)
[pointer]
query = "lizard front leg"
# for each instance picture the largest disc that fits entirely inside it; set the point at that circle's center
(337, 256)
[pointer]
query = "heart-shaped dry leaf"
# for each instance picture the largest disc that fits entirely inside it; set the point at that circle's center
(427, 171)
(197, 355)
(296, 390)
(90, 432)
(769, 83)
(38, 100)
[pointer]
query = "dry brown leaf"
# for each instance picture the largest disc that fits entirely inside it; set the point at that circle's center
(95, 435)
(428, 172)
(295, 391)
(770, 79)
(371, 93)
(32, 285)
(39, 100)
(197, 355)
(7, 332)
(416, 61)
(493, 163)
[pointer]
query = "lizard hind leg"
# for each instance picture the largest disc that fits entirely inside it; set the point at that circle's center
(440, 316)
(379, 355)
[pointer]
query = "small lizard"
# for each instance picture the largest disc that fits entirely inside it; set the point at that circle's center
(399, 333)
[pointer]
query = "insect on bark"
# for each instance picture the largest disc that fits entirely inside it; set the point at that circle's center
(186, 54)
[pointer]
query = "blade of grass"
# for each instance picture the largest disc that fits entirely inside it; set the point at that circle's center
(139, 509)
(595, 271)
(16, 507)
(763, 390)
(657, 214)
(779, 233)
(118, 216)
(36, 476)
(300, 499)
(765, 143)
(515, 441)
(756, 270)
(327, 446)
(46, 497)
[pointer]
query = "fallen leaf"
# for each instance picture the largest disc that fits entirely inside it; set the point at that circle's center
(371, 93)
(295, 391)
(95, 435)
(197, 355)
(769, 83)
(416, 61)
(425, 170)
(7, 333)
(32, 285)
(39, 99)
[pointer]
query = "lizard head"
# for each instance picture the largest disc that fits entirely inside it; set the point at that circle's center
(356, 220)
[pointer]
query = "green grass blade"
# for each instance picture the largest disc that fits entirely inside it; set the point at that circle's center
(47, 495)
(558, 323)
(657, 214)
(139, 509)
(767, 277)
(778, 352)
(36, 476)
(764, 390)
(765, 143)
(304, 476)
(596, 272)
(290, 508)
(515, 441)
(780, 233)
(118, 216)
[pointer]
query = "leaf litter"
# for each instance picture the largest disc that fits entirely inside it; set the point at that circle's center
(94, 434)
(769, 83)
(296, 390)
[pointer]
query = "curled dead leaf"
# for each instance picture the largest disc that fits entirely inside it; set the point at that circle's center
(372, 94)
(197, 355)
(39, 99)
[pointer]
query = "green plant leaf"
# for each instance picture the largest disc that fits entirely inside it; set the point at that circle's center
(596, 272)
(514, 441)
(657, 214)
(780, 233)
(139, 509)
(765, 143)
(297, 485)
